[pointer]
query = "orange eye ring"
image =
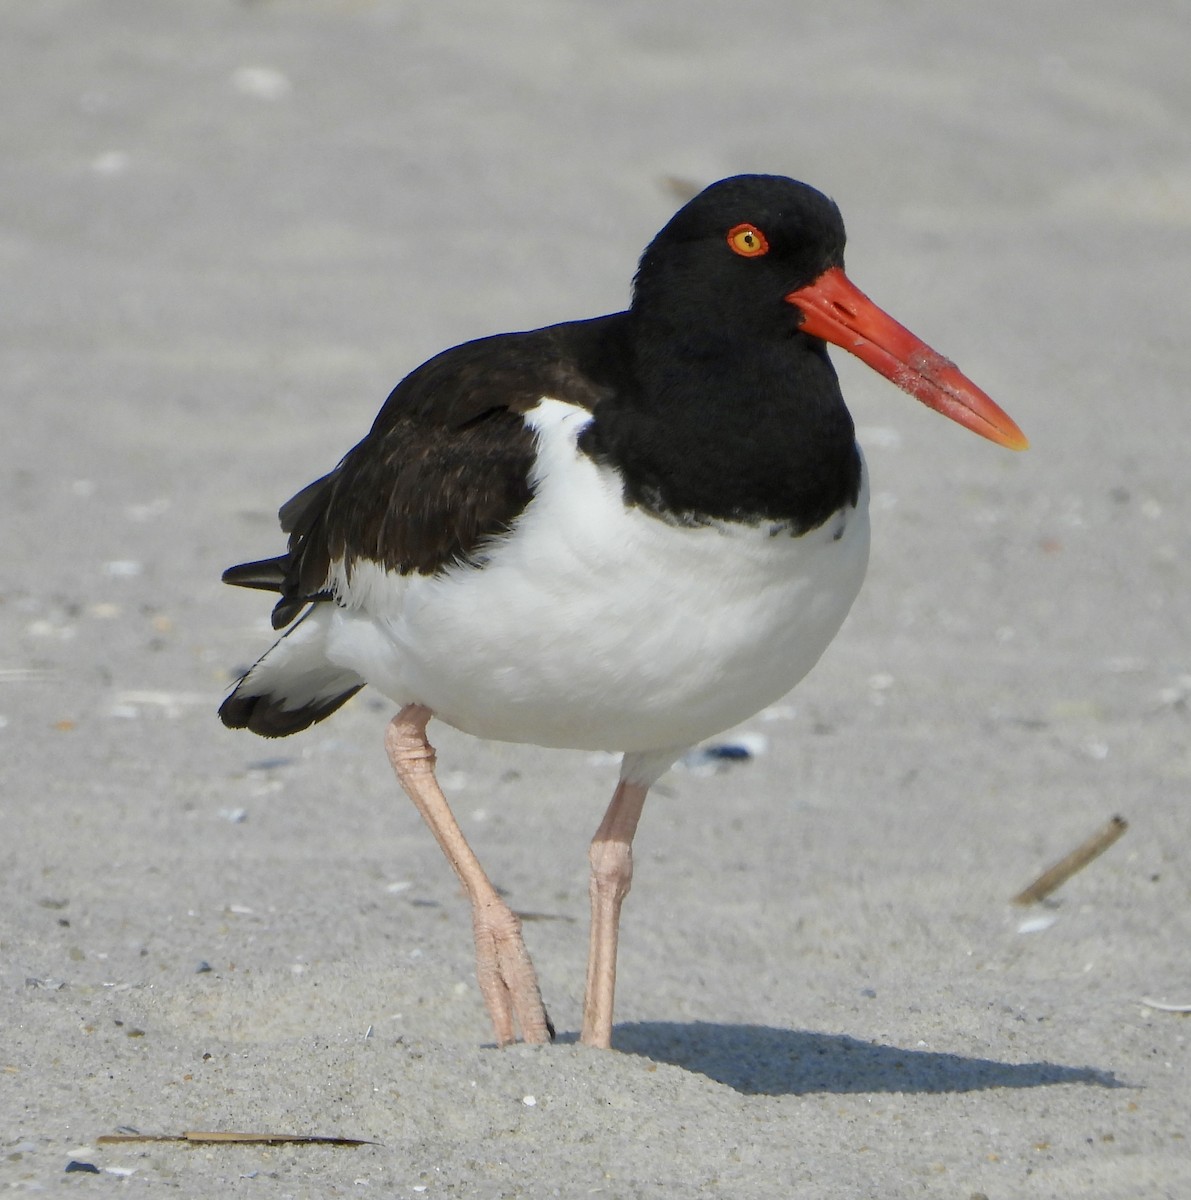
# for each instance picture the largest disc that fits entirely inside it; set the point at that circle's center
(747, 241)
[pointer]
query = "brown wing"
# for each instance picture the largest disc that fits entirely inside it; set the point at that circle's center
(444, 469)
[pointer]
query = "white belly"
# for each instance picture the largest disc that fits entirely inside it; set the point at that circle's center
(597, 626)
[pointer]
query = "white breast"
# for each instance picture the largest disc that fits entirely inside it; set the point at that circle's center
(596, 626)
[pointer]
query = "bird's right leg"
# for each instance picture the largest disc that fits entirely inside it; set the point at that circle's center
(506, 975)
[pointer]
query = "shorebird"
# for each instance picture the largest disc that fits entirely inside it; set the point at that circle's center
(627, 534)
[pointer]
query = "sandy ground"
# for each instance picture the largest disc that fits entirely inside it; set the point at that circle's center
(227, 229)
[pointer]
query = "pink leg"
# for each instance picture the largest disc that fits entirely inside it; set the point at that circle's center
(611, 857)
(503, 967)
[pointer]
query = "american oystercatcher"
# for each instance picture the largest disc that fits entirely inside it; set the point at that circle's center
(626, 533)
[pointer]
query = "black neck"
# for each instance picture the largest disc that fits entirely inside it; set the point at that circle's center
(702, 426)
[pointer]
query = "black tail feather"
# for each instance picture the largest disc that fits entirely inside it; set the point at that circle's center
(268, 575)
(273, 575)
(264, 715)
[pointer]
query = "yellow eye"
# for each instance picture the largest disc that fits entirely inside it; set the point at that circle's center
(747, 241)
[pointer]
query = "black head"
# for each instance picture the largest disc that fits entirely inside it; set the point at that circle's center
(730, 257)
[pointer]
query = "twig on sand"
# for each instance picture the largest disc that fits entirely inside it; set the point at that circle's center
(251, 1139)
(1054, 877)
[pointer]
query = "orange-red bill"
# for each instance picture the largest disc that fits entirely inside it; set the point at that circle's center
(837, 311)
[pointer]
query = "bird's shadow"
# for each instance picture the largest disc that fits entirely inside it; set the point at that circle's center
(758, 1060)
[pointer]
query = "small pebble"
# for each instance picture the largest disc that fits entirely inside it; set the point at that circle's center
(110, 162)
(144, 512)
(715, 756)
(122, 568)
(1037, 924)
(265, 83)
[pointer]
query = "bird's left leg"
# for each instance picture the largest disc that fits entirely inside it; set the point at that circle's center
(611, 857)
(503, 967)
